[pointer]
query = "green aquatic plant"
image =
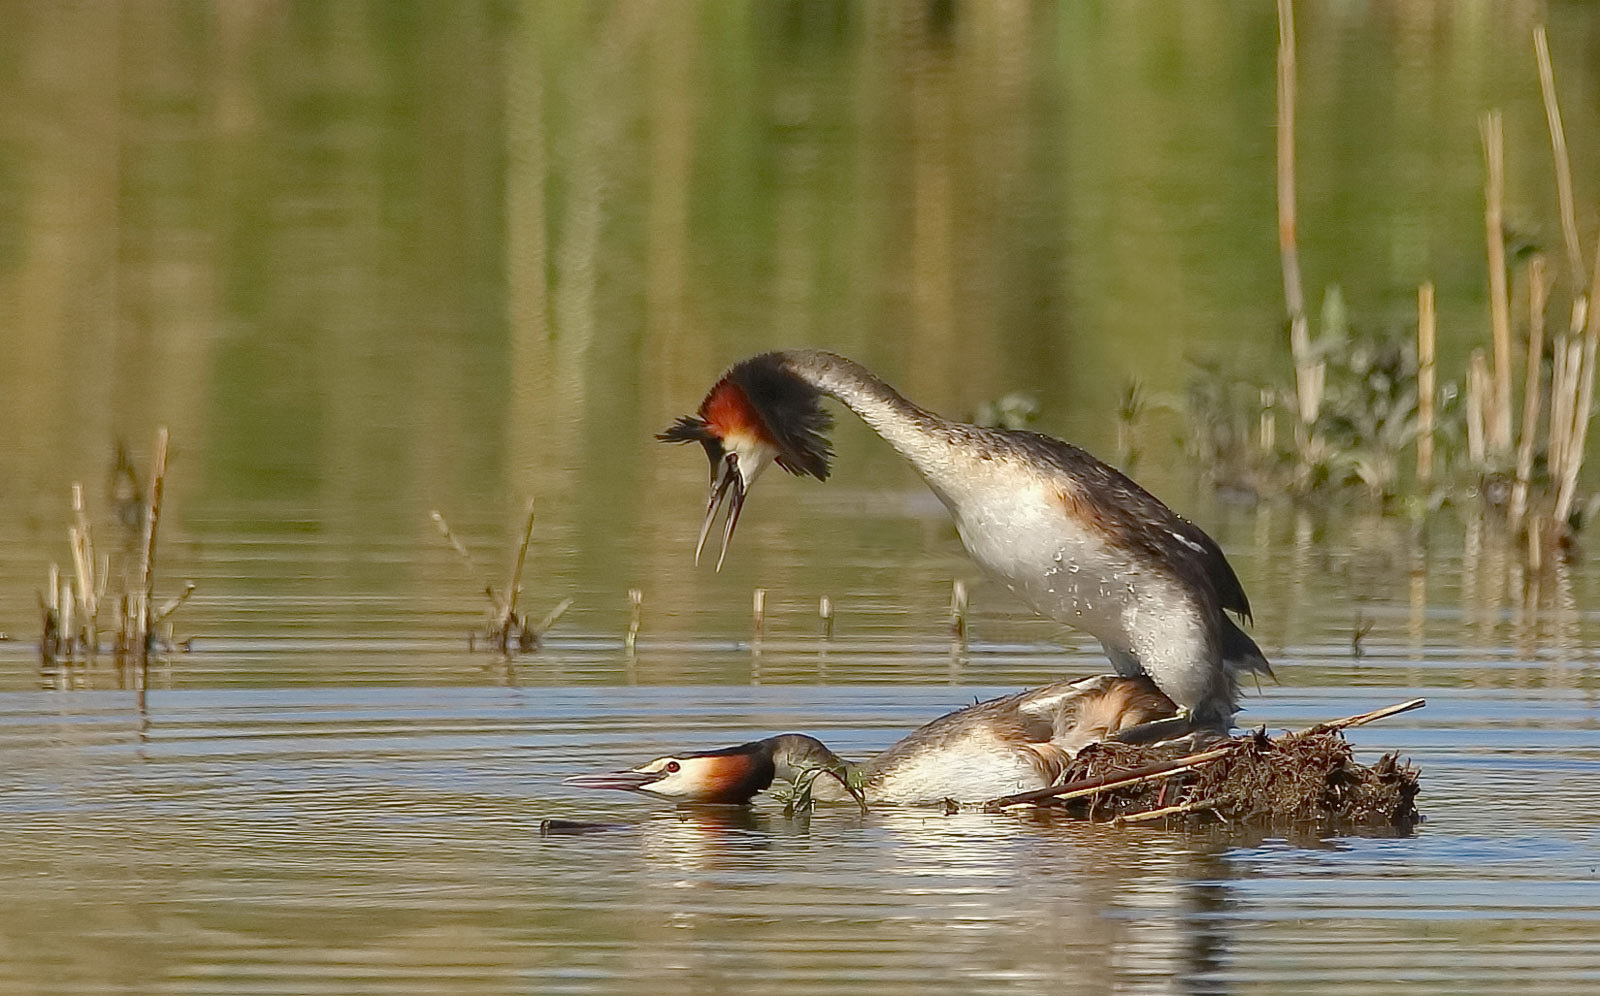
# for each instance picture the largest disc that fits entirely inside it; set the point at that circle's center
(797, 798)
(1368, 418)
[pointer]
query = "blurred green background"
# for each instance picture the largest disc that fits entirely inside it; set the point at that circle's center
(370, 258)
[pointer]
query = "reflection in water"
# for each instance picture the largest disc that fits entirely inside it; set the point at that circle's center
(697, 838)
(1207, 900)
(1028, 900)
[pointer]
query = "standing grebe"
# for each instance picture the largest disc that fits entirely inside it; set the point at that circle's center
(996, 748)
(1072, 536)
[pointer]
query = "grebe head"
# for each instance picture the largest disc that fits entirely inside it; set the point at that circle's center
(757, 414)
(732, 775)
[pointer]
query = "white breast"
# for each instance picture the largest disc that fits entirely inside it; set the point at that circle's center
(1017, 529)
(974, 771)
(1023, 537)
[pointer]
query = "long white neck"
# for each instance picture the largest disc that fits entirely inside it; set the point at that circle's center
(921, 437)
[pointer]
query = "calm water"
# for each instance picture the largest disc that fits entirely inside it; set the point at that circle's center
(369, 260)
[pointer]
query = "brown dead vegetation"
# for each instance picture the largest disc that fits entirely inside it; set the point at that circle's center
(1310, 778)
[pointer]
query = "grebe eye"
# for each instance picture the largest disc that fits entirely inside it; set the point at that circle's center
(673, 766)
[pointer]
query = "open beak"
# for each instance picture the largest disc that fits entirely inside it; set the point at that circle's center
(727, 486)
(629, 781)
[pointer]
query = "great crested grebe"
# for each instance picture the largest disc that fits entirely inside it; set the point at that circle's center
(1010, 744)
(1074, 537)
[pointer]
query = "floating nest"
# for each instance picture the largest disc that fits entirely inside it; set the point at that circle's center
(1295, 780)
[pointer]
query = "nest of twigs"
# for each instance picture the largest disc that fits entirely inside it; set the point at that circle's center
(1294, 780)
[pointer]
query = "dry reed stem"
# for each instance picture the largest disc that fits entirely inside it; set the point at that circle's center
(1478, 402)
(1363, 718)
(1107, 783)
(635, 619)
(1563, 163)
(1182, 809)
(68, 623)
(158, 475)
(497, 605)
(505, 630)
(450, 537)
(958, 609)
(1572, 375)
(551, 617)
(50, 623)
(79, 593)
(171, 605)
(508, 611)
(1564, 357)
(1532, 398)
(1427, 370)
(83, 561)
(1308, 397)
(1497, 416)
(1583, 384)
(825, 611)
(758, 611)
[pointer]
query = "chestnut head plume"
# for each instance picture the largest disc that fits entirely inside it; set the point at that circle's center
(758, 413)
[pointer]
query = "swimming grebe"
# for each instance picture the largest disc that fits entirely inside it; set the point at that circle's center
(1010, 744)
(1074, 537)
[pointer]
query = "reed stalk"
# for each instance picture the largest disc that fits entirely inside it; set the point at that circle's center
(1532, 397)
(1362, 719)
(635, 620)
(543, 626)
(1572, 374)
(1564, 358)
(507, 631)
(1308, 374)
(1497, 414)
(497, 605)
(1267, 423)
(88, 584)
(1478, 402)
(147, 582)
(1182, 809)
(1427, 370)
(1563, 163)
(172, 605)
(1582, 386)
(50, 623)
(508, 612)
(68, 624)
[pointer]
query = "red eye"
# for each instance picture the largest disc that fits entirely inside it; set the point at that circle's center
(673, 766)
